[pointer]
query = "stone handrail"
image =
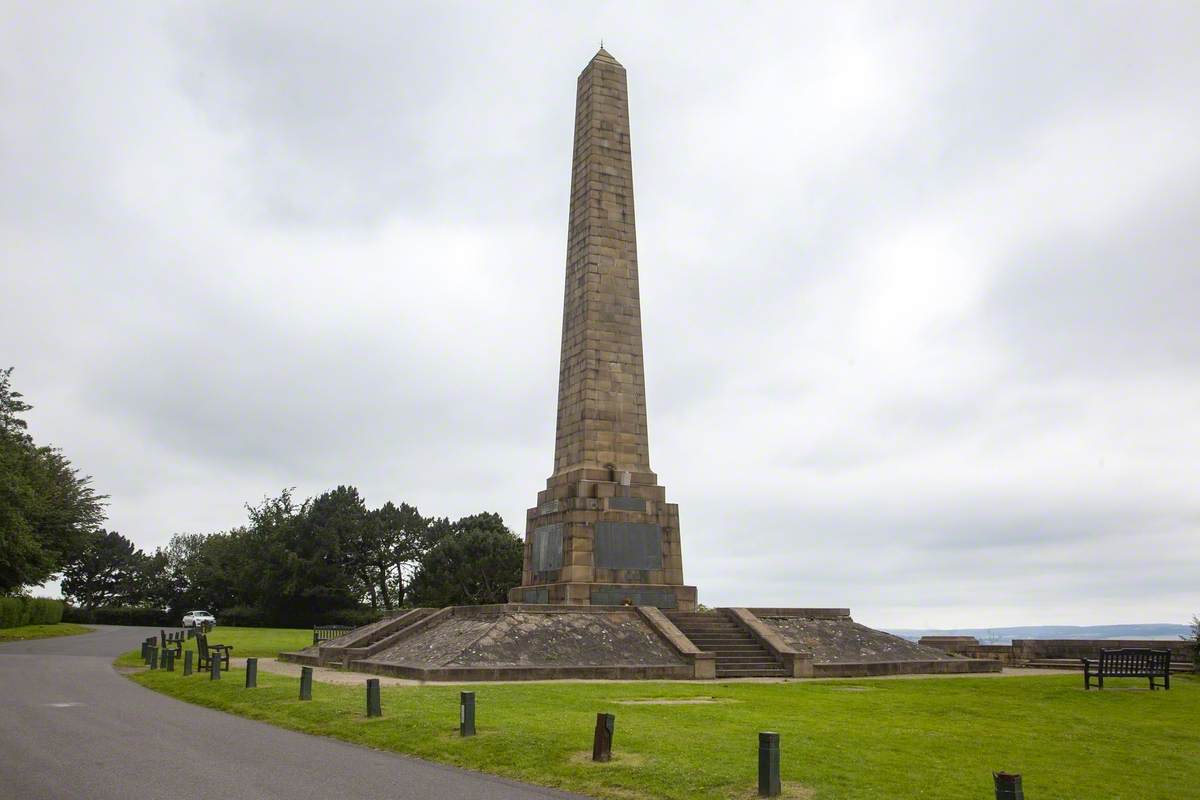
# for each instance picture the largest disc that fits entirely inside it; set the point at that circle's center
(703, 663)
(798, 664)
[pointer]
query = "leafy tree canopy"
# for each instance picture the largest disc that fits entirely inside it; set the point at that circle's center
(47, 510)
(476, 560)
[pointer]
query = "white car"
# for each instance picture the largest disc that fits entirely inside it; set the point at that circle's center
(194, 619)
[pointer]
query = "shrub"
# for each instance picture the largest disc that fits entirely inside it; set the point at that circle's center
(12, 609)
(354, 616)
(80, 616)
(1195, 641)
(120, 615)
(242, 616)
(17, 611)
(43, 611)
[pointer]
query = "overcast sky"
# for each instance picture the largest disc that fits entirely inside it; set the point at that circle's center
(920, 285)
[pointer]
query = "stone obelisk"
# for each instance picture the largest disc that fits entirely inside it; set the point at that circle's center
(602, 532)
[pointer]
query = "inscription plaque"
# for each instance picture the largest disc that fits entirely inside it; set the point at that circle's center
(546, 547)
(627, 504)
(628, 545)
(617, 595)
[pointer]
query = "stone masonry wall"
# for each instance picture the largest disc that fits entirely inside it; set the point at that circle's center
(601, 391)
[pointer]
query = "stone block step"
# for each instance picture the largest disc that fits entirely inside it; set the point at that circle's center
(777, 672)
(710, 629)
(734, 648)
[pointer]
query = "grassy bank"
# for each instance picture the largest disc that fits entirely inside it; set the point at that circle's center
(246, 642)
(936, 737)
(24, 632)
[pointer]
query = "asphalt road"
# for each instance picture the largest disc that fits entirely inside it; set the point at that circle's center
(71, 727)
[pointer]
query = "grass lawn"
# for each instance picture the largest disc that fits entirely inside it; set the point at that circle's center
(246, 642)
(934, 737)
(23, 632)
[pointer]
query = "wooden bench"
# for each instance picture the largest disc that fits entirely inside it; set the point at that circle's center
(206, 652)
(323, 633)
(171, 640)
(1129, 663)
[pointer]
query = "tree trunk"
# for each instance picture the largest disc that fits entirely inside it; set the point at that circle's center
(383, 590)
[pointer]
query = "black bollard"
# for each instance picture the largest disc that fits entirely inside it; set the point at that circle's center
(602, 740)
(187, 663)
(153, 658)
(768, 765)
(466, 714)
(374, 709)
(145, 648)
(214, 668)
(306, 683)
(1008, 786)
(168, 659)
(251, 673)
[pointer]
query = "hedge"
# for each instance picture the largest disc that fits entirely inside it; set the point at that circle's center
(236, 616)
(121, 615)
(17, 611)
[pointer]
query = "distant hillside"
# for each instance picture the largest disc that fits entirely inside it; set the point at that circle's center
(1006, 635)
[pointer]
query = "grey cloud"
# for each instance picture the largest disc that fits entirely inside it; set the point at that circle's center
(1107, 307)
(246, 250)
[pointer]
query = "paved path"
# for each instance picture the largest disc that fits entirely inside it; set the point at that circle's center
(71, 727)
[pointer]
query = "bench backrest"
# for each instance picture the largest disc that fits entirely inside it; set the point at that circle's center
(202, 645)
(1134, 661)
(322, 633)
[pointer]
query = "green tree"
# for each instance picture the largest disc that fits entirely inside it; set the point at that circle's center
(397, 540)
(475, 561)
(307, 555)
(47, 509)
(107, 571)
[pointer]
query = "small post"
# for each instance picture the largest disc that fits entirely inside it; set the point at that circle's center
(374, 709)
(306, 683)
(466, 714)
(187, 662)
(214, 667)
(602, 741)
(768, 765)
(145, 650)
(153, 658)
(168, 660)
(251, 673)
(1008, 786)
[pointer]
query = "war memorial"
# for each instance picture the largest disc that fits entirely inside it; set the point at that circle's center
(602, 592)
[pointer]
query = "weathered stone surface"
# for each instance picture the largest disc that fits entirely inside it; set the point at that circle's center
(524, 639)
(602, 498)
(834, 640)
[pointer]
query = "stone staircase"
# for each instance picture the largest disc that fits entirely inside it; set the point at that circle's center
(369, 639)
(739, 655)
